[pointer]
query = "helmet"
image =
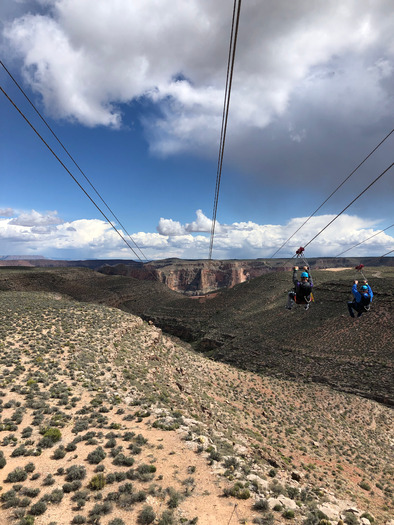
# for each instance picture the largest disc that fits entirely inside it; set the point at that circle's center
(364, 288)
(304, 274)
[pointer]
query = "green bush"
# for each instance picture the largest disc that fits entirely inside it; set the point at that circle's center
(288, 514)
(97, 482)
(27, 520)
(238, 490)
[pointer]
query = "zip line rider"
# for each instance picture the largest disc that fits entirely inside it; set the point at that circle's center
(302, 289)
(362, 299)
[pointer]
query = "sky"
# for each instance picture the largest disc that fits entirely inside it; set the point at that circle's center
(135, 92)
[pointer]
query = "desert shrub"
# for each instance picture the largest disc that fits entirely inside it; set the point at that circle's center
(110, 478)
(10, 494)
(38, 508)
(127, 436)
(117, 521)
(214, 455)
(3, 461)
(49, 480)
(18, 474)
(56, 496)
(238, 490)
(100, 509)
(288, 514)
(70, 447)
(27, 432)
(27, 520)
(72, 486)
(262, 505)
(127, 488)
(80, 425)
(122, 460)
(97, 482)
(314, 517)
(146, 516)
(268, 519)
(75, 472)
(19, 451)
(51, 436)
(167, 518)
(174, 499)
(59, 453)
(78, 520)
(29, 492)
(293, 492)
(364, 485)
(231, 463)
(350, 518)
(111, 443)
(30, 467)
(368, 516)
(96, 456)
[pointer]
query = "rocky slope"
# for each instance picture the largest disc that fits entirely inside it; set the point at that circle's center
(249, 327)
(104, 419)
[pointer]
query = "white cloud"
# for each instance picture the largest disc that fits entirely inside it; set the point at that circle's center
(6, 212)
(86, 58)
(34, 218)
(202, 224)
(88, 238)
(170, 227)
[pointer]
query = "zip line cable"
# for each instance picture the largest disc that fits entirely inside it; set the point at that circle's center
(226, 105)
(358, 244)
(348, 206)
(73, 160)
(391, 251)
(336, 189)
(71, 175)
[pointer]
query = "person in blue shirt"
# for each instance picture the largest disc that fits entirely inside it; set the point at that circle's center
(362, 299)
(302, 289)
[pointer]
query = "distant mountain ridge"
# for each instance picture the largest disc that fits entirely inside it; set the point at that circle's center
(196, 277)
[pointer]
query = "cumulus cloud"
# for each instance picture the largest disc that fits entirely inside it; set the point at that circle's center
(88, 238)
(6, 212)
(87, 58)
(34, 218)
(201, 224)
(170, 227)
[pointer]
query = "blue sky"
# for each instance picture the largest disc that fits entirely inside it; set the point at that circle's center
(135, 92)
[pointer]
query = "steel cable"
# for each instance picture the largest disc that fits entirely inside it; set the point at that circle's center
(348, 206)
(73, 160)
(365, 240)
(226, 105)
(336, 189)
(69, 172)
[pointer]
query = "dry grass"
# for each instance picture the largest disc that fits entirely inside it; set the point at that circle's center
(104, 378)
